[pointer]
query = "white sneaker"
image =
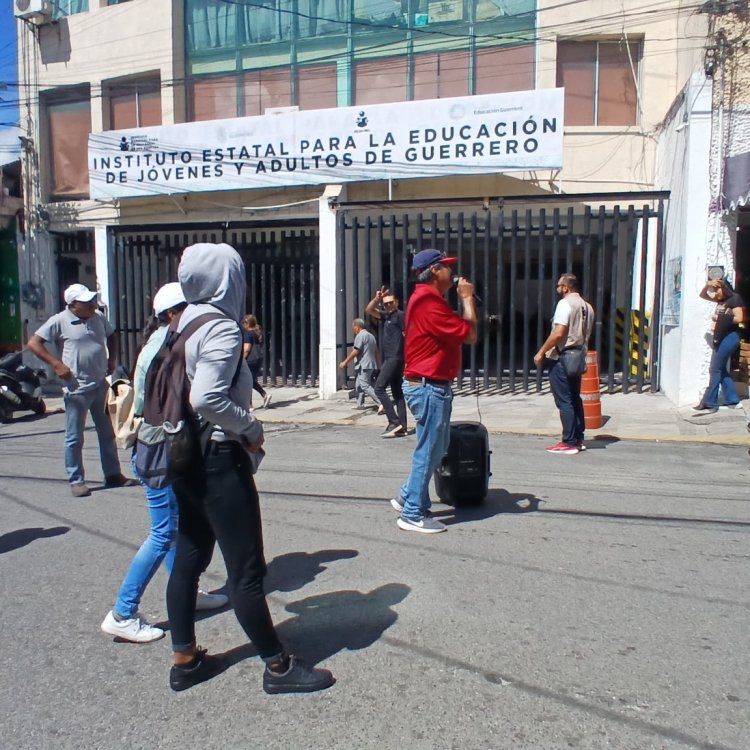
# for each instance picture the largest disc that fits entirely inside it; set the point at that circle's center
(204, 600)
(134, 630)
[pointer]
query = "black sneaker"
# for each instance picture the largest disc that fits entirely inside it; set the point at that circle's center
(299, 678)
(204, 668)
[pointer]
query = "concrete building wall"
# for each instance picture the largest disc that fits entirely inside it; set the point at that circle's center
(613, 157)
(146, 35)
(683, 167)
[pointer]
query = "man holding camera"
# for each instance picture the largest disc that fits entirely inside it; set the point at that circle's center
(383, 307)
(434, 336)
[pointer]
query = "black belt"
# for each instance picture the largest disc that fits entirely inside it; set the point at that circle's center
(428, 381)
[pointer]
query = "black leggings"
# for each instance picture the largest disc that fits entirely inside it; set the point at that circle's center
(255, 370)
(226, 511)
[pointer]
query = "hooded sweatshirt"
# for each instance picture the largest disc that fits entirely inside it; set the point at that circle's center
(213, 277)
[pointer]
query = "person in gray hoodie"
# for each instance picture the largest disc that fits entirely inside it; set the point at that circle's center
(225, 507)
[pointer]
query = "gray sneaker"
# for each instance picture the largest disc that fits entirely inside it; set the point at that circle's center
(424, 525)
(398, 504)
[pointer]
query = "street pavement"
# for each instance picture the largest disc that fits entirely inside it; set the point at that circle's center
(632, 416)
(593, 601)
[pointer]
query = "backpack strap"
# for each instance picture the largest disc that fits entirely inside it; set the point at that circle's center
(192, 327)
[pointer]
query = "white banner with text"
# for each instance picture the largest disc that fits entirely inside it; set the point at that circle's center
(466, 135)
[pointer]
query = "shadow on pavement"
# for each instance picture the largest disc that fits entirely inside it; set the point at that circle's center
(32, 434)
(328, 623)
(497, 501)
(285, 573)
(21, 537)
(295, 570)
(599, 442)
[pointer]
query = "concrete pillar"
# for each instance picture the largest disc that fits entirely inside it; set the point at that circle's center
(328, 361)
(104, 260)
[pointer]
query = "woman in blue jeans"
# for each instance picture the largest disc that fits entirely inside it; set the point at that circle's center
(123, 621)
(729, 320)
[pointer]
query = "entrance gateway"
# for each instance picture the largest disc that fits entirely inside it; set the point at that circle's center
(513, 248)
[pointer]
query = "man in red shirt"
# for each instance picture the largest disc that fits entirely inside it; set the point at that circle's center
(432, 353)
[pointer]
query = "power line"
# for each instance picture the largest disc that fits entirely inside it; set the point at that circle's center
(647, 12)
(446, 68)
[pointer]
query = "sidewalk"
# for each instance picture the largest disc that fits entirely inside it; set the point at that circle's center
(645, 416)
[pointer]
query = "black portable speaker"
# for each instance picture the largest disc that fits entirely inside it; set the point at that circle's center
(464, 472)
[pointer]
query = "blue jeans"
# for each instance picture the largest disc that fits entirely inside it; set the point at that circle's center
(718, 373)
(431, 406)
(159, 545)
(76, 407)
(567, 393)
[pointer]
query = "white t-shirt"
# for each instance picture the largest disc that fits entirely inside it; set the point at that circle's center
(578, 315)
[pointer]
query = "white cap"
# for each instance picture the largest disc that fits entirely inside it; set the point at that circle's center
(169, 296)
(78, 293)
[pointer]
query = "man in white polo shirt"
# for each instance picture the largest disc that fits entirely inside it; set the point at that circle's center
(87, 345)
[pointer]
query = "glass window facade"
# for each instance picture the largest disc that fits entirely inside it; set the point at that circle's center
(255, 54)
(62, 8)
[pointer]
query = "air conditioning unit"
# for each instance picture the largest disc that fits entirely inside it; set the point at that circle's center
(33, 10)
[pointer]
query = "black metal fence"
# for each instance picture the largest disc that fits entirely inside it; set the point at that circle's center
(514, 257)
(282, 290)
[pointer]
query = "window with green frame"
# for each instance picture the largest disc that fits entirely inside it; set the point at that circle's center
(336, 45)
(62, 8)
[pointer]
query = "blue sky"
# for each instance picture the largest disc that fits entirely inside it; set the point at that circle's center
(9, 145)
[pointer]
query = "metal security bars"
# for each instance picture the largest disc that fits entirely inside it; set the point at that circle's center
(515, 256)
(282, 291)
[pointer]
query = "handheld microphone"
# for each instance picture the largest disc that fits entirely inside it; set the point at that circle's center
(477, 298)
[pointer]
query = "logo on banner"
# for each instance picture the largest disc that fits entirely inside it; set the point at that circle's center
(138, 143)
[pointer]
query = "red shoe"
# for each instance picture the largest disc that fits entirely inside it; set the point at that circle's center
(564, 448)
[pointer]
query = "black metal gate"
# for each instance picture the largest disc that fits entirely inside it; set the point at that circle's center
(282, 290)
(515, 256)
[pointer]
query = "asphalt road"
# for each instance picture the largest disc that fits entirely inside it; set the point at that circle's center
(594, 601)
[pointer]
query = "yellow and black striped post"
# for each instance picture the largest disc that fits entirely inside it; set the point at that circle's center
(639, 328)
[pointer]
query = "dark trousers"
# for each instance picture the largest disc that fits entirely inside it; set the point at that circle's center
(225, 510)
(567, 393)
(255, 370)
(392, 374)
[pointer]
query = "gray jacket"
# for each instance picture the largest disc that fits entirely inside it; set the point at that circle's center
(213, 276)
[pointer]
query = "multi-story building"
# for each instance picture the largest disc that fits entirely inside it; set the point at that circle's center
(150, 67)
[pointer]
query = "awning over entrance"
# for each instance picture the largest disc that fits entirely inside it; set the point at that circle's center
(736, 188)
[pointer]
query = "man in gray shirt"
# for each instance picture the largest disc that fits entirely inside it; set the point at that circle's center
(365, 353)
(87, 345)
